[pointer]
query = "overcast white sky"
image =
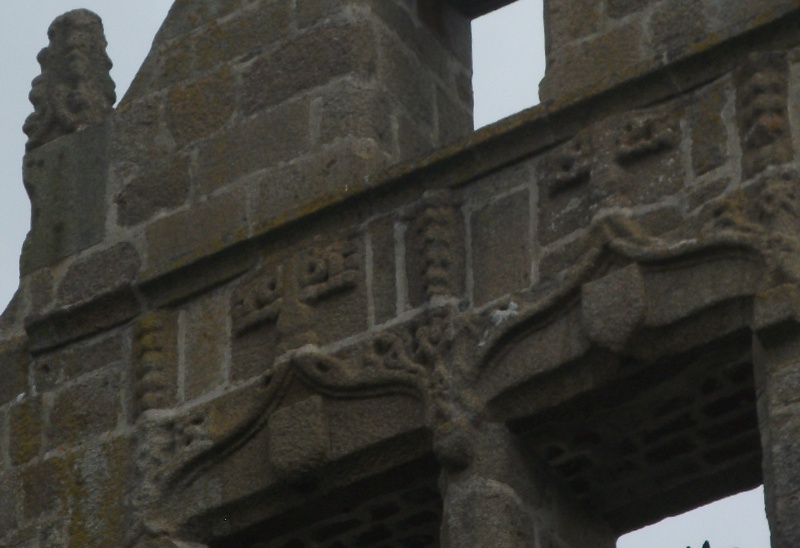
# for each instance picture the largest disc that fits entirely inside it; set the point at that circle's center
(509, 62)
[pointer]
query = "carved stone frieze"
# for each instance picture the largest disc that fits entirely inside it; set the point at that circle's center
(572, 165)
(642, 135)
(286, 296)
(761, 104)
(74, 89)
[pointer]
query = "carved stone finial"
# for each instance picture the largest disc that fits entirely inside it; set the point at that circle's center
(74, 89)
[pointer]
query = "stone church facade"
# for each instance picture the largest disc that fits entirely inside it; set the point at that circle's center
(282, 295)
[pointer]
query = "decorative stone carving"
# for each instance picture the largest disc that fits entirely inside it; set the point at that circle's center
(313, 276)
(155, 358)
(644, 135)
(572, 166)
(285, 296)
(438, 234)
(74, 89)
(762, 92)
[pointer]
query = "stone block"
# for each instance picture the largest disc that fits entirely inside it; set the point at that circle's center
(594, 64)
(98, 500)
(46, 484)
(187, 235)
(14, 359)
(709, 137)
(100, 273)
(84, 410)
(298, 439)
(314, 180)
(568, 21)
(205, 347)
(70, 324)
(67, 181)
(399, 73)
(263, 141)
(356, 425)
(677, 25)
(414, 139)
(9, 502)
(253, 352)
(26, 425)
(244, 34)
(384, 269)
(200, 108)
(188, 15)
(325, 53)
(64, 365)
(355, 109)
(613, 307)
(502, 249)
(165, 187)
(454, 119)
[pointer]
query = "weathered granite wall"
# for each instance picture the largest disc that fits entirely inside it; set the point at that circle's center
(250, 315)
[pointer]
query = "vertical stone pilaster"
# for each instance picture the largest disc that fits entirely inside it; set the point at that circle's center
(494, 496)
(776, 356)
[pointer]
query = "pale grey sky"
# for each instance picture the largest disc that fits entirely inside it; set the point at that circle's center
(509, 62)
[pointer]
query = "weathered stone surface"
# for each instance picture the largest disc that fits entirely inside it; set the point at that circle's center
(761, 110)
(709, 137)
(202, 107)
(178, 239)
(383, 237)
(76, 323)
(102, 272)
(14, 361)
(486, 513)
(676, 24)
(614, 306)
(311, 180)
(164, 188)
(9, 499)
(26, 422)
(64, 365)
(263, 141)
(86, 409)
(298, 439)
(502, 249)
(205, 326)
(66, 181)
(74, 89)
(336, 50)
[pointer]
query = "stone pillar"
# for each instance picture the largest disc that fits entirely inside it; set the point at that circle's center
(493, 496)
(776, 355)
